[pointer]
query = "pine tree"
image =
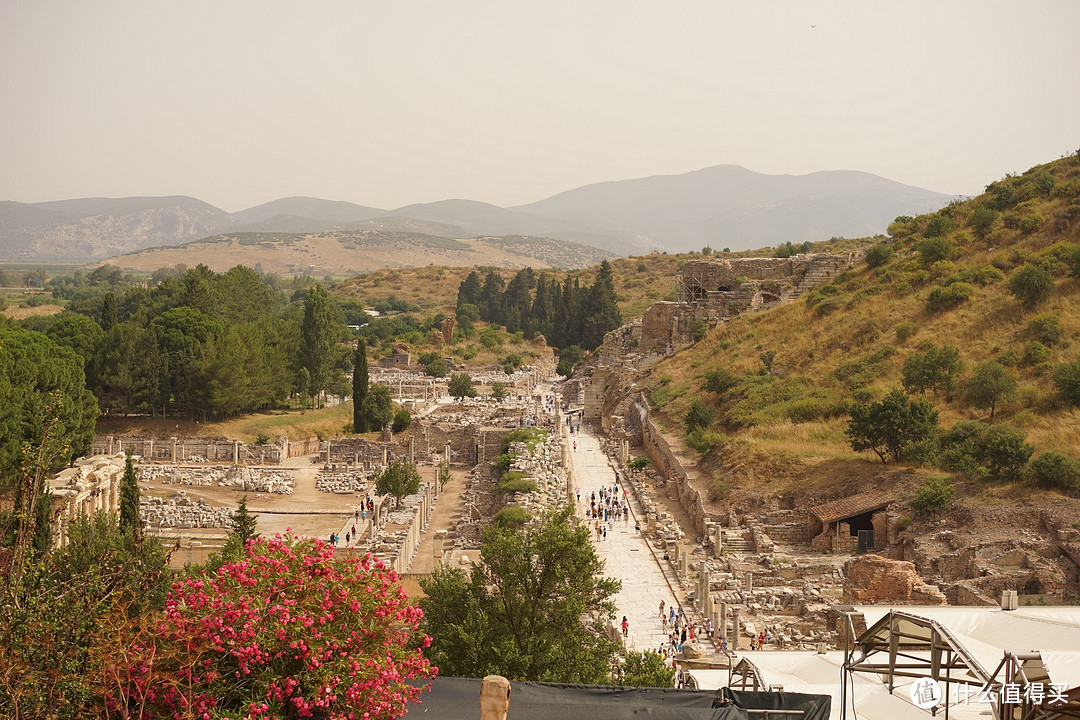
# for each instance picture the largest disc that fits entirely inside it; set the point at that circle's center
(109, 313)
(129, 500)
(243, 523)
(601, 311)
(360, 386)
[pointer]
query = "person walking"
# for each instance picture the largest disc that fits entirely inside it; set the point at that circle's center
(625, 626)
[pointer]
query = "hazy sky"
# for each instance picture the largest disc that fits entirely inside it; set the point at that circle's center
(507, 101)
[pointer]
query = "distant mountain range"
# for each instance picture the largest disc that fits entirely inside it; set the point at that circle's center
(721, 206)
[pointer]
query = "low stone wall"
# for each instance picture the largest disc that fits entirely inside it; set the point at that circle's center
(197, 449)
(669, 466)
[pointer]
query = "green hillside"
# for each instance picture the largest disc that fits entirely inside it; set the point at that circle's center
(951, 292)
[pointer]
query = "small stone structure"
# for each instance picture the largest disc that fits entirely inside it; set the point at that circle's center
(872, 579)
(399, 357)
(836, 526)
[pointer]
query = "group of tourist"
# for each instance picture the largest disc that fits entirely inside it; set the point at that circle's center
(607, 509)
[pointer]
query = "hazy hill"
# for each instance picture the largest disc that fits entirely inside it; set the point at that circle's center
(730, 206)
(721, 206)
(341, 253)
(100, 227)
(329, 212)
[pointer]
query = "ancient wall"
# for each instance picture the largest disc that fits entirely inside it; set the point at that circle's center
(183, 449)
(670, 468)
(713, 290)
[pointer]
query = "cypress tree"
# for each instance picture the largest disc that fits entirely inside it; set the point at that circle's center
(319, 333)
(360, 387)
(129, 500)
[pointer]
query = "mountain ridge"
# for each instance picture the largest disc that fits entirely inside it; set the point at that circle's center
(719, 205)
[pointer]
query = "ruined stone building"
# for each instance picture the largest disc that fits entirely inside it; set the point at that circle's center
(712, 290)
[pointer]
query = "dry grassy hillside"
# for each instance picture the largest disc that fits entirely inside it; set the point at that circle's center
(947, 283)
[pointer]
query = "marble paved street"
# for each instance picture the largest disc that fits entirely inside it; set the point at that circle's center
(626, 554)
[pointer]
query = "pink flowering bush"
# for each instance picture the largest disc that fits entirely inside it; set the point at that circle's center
(288, 631)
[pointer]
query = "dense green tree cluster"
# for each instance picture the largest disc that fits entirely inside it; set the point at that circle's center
(198, 343)
(565, 314)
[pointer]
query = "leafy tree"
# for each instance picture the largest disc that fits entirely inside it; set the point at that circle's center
(962, 448)
(378, 408)
(1067, 381)
(288, 630)
(469, 292)
(1031, 285)
(990, 385)
(402, 421)
(130, 522)
(319, 335)
(646, 669)
(436, 367)
(1005, 451)
(399, 478)
(498, 390)
(57, 625)
(569, 358)
(936, 369)
(533, 608)
(44, 404)
(878, 255)
(891, 426)
(461, 386)
(360, 386)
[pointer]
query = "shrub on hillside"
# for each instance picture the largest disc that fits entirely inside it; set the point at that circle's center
(933, 249)
(949, 296)
(905, 330)
(890, 427)
(960, 448)
(699, 415)
(1046, 328)
(879, 255)
(934, 496)
(1055, 470)
(1067, 381)
(1031, 285)
(1005, 451)
(983, 219)
(704, 441)
(638, 463)
(719, 381)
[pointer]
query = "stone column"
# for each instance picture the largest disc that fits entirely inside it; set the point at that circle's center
(718, 539)
(749, 582)
(328, 452)
(650, 526)
(412, 454)
(721, 622)
(172, 456)
(704, 593)
(494, 697)
(385, 456)
(149, 450)
(735, 628)
(236, 452)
